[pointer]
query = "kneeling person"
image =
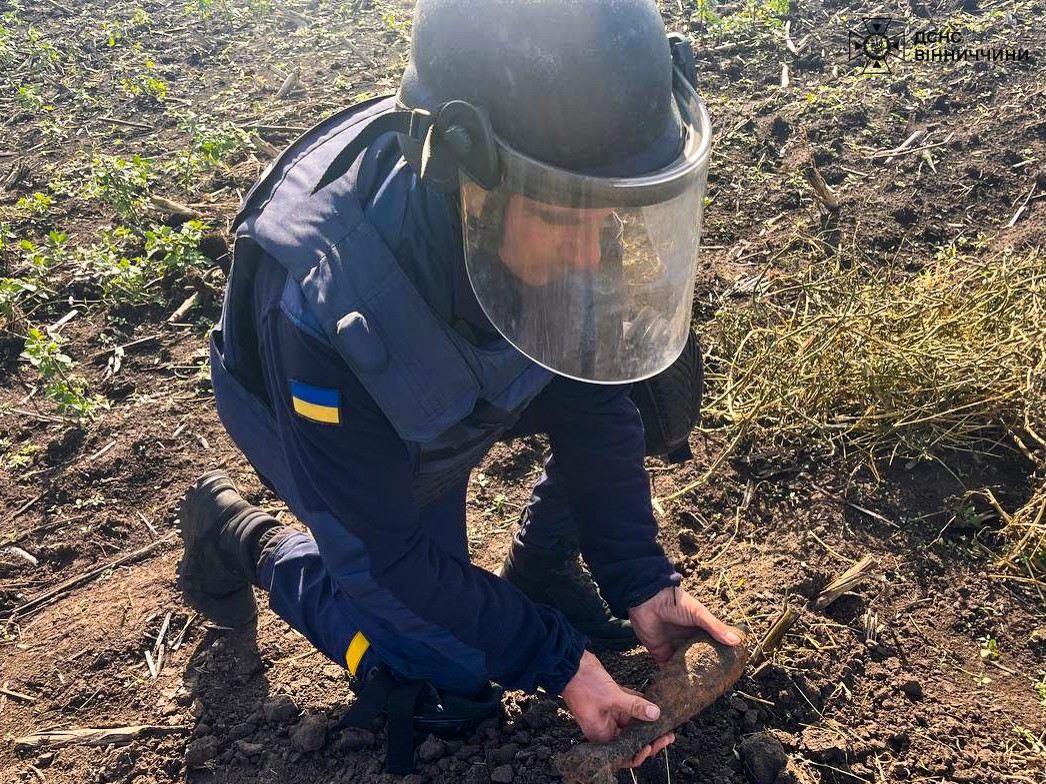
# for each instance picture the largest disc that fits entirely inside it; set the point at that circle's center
(487, 255)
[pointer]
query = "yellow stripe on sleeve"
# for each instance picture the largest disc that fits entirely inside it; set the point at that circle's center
(330, 415)
(354, 654)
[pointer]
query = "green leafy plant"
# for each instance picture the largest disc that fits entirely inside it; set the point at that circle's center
(109, 262)
(170, 250)
(55, 129)
(113, 31)
(206, 9)
(212, 145)
(7, 49)
(214, 142)
(704, 13)
(69, 393)
(989, 647)
(126, 275)
(394, 24)
(29, 98)
(20, 457)
(35, 207)
(968, 518)
(145, 85)
(42, 258)
(41, 51)
(122, 183)
(756, 14)
(1034, 742)
(13, 293)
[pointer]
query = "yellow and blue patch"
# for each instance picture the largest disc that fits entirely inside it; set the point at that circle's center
(318, 404)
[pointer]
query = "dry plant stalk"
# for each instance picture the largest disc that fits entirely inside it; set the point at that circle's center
(822, 190)
(698, 673)
(775, 635)
(847, 580)
(92, 736)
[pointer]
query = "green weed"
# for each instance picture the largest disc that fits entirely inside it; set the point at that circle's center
(13, 294)
(207, 9)
(55, 129)
(114, 32)
(989, 648)
(7, 49)
(108, 262)
(170, 250)
(42, 53)
(125, 276)
(145, 85)
(1033, 742)
(29, 98)
(42, 258)
(211, 145)
(18, 458)
(69, 393)
(215, 143)
(119, 31)
(756, 14)
(122, 183)
(35, 207)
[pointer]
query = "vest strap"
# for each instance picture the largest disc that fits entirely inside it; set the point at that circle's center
(398, 122)
(262, 189)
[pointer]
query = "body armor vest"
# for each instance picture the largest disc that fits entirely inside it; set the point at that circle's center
(447, 398)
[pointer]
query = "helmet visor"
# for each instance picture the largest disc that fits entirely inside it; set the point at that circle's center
(591, 277)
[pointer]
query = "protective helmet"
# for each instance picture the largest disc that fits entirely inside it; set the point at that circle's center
(579, 147)
(584, 85)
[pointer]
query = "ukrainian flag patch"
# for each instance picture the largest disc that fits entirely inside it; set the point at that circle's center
(318, 404)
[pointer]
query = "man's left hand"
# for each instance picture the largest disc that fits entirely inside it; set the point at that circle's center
(669, 618)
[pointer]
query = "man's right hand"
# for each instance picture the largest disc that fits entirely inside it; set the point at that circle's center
(602, 708)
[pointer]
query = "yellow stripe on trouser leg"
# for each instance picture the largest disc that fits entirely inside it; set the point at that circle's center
(354, 654)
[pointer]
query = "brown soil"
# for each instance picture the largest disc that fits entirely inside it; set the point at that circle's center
(914, 701)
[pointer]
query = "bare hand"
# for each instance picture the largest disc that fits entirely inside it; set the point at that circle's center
(670, 617)
(602, 708)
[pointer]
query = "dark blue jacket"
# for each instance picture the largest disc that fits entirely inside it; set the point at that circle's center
(351, 482)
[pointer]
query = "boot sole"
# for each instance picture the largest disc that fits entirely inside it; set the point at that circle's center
(236, 609)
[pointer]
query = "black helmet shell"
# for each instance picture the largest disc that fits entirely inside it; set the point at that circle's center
(584, 85)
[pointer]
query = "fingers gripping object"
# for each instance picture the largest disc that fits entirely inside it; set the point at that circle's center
(700, 671)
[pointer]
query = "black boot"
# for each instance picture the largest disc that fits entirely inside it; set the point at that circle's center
(222, 534)
(414, 710)
(557, 578)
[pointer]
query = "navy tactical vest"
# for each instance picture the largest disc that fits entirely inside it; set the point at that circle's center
(447, 398)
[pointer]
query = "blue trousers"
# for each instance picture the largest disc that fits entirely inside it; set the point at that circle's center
(303, 593)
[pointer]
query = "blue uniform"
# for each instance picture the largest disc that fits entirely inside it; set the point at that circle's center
(386, 574)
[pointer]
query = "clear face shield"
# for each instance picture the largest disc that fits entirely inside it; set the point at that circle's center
(591, 277)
